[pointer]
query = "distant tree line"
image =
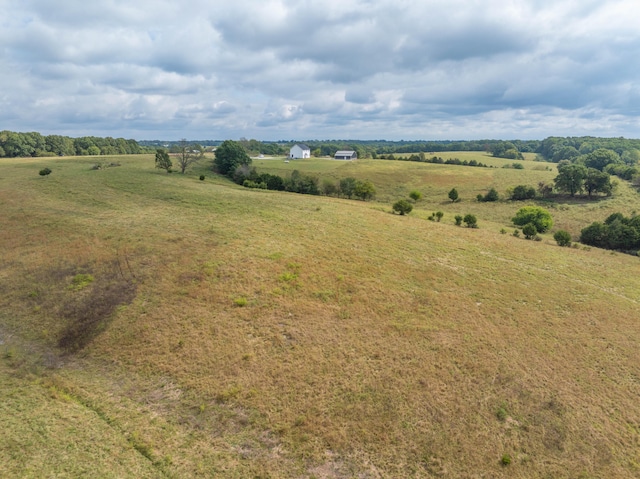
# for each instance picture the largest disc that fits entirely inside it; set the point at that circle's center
(34, 144)
(556, 149)
(553, 149)
(422, 158)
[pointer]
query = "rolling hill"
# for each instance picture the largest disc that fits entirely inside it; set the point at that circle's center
(155, 325)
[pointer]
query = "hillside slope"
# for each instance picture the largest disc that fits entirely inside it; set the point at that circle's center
(203, 329)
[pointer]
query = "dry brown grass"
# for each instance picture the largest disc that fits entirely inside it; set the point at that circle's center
(280, 335)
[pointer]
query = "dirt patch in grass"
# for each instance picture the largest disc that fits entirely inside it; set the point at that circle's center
(88, 312)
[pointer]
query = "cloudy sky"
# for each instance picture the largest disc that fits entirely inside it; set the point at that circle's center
(320, 69)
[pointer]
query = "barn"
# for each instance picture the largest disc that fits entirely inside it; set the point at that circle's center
(345, 155)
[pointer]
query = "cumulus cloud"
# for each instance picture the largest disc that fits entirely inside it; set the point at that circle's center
(302, 69)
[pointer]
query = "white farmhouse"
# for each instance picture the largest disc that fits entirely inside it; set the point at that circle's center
(300, 151)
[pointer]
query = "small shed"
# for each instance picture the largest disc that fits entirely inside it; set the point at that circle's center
(300, 151)
(345, 155)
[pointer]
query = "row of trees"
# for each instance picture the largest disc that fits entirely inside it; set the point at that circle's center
(34, 144)
(575, 178)
(422, 158)
(305, 184)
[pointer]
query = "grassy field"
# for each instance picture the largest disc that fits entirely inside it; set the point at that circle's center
(210, 330)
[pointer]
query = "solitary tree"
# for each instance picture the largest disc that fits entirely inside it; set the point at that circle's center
(403, 207)
(537, 216)
(188, 154)
(597, 182)
(453, 195)
(162, 160)
(570, 178)
(229, 156)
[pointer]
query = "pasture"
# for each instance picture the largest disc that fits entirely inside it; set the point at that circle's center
(219, 331)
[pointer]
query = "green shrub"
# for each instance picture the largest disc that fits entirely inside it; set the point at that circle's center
(505, 460)
(453, 195)
(45, 172)
(415, 195)
(439, 215)
(365, 190)
(240, 301)
(201, 177)
(81, 281)
(523, 192)
(329, 188)
(403, 207)
(501, 413)
(492, 195)
(529, 230)
(253, 184)
(535, 215)
(163, 160)
(458, 219)
(562, 237)
(470, 220)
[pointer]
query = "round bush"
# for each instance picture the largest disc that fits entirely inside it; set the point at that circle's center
(45, 172)
(562, 237)
(470, 220)
(403, 207)
(535, 215)
(415, 195)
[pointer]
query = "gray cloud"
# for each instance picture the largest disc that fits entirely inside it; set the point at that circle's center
(291, 69)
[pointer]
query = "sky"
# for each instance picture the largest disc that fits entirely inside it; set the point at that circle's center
(321, 69)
